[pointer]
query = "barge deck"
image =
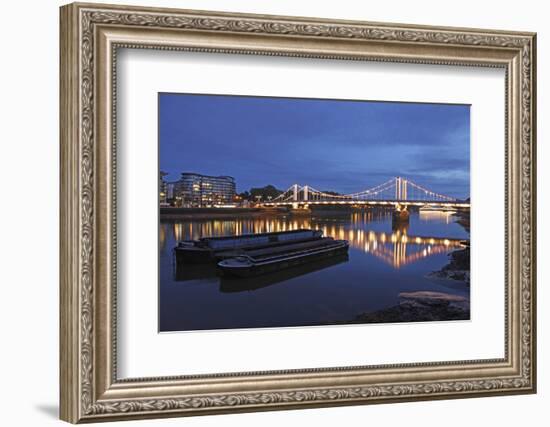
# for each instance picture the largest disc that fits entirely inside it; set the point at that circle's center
(266, 261)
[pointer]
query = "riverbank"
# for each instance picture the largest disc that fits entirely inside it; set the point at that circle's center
(167, 213)
(226, 213)
(458, 267)
(421, 306)
(463, 218)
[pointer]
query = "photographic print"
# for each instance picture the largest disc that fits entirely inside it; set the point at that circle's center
(295, 192)
(285, 212)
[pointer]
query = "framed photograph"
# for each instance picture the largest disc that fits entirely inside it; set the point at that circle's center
(266, 212)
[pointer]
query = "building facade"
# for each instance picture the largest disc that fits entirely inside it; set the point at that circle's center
(194, 190)
(162, 188)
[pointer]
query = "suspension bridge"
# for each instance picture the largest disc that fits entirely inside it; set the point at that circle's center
(398, 192)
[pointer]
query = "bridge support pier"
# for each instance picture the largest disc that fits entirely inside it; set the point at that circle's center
(400, 216)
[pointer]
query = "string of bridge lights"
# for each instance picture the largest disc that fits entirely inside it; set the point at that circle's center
(430, 193)
(374, 191)
(350, 196)
(371, 191)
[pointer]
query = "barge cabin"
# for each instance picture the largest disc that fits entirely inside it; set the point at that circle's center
(213, 249)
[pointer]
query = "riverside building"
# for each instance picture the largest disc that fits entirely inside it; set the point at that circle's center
(197, 191)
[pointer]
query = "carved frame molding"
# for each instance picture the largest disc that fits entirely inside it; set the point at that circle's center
(90, 36)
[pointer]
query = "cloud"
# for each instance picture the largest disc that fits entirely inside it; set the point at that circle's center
(343, 146)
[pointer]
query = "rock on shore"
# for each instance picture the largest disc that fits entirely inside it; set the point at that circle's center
(457, 269)
(421, 306)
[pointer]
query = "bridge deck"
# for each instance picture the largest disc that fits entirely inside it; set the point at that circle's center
(371, 202)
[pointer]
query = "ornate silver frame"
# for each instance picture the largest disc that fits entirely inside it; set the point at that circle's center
(90, 36)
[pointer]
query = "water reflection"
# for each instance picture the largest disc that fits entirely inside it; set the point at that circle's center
(262, 281)
(396, 248)
(183, 272)
(383, 261)
(444, 216)
(399, 249)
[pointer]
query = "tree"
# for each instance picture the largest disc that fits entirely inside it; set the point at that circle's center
(245, 195)
(263, 193)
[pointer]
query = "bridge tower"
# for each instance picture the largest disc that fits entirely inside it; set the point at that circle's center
(306, 192)
(400, 214)
(295, 192)
(400, 188)
(397, 188)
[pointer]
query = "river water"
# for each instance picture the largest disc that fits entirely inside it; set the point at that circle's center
(382, 262)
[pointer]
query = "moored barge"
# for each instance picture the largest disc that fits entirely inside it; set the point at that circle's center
(213, 249)
(267, 261)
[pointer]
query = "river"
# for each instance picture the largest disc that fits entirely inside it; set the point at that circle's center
(382, 262)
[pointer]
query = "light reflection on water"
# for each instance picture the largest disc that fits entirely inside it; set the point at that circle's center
(383, 261)
(396, 248)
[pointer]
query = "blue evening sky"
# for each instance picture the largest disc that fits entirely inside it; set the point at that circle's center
(344, 146)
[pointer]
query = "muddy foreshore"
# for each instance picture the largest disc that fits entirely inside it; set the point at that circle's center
(421, 306)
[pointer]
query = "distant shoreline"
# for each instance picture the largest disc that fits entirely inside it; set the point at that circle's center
(171, 213)
(205, 213)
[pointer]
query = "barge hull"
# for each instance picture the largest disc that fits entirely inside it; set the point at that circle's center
(263, 267)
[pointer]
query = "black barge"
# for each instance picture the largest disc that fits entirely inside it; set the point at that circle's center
(269, 260)
(214, 249)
